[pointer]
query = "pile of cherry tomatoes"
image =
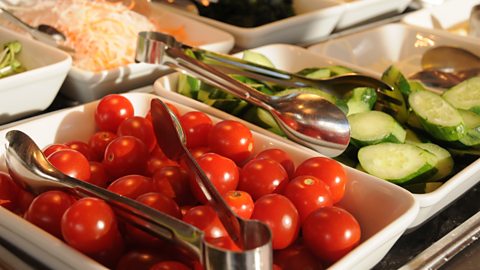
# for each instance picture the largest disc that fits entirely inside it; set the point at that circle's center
(297, 203)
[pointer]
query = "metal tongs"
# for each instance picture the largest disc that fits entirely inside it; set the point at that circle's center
(29, 168)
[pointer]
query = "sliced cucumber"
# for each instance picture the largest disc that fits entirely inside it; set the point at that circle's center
(400, 85)
(471, 119)
(421, 188)
(316, 73)
(444, 162)
(416, 86)
(437, 116)
(465, 95)
(339, 70)
(257, 58)
(374, 127)
(361, 99)
(397, 163)
(188, 85)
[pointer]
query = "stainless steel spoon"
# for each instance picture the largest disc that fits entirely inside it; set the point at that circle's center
(307, 119)
(43, 32)
(29, 168)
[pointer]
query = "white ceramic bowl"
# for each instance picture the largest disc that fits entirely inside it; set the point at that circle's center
(383, 210)
(34, 90)
(84, 86)
(451, 17)
(314, 19)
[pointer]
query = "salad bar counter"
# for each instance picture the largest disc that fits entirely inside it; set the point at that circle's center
(340, 135)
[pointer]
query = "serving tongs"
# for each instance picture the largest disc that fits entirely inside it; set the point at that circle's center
(29, 168)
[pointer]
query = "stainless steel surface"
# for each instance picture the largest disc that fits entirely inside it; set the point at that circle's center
(448, 246)
(449, 59)
(252, 236)
(44, 33)
(305, 118)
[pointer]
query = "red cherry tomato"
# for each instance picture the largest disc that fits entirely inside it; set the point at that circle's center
(83, 148)
(23, 201)
(71, 163)
(327, 170)
(240, 202)
(138, 127)
(206, 219)
(155, 163)
(98, 174)
(48, 150)
(296, 256)
(196, 126)
(111, 111)
(132, 185)
(308, 194)
(47, 209)
(169, 265)
(279, 156)
(90, 226)
(173, 182)
(261, 177)
(330, 233)
(140, 259)
(98, 143)
(231, 139)
(9, 192)
(279, 213)
(222, 172)
(198, 151)
(125, 155)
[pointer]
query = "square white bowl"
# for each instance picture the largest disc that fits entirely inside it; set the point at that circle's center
(357, 11)
(446, 17)
(383, 210)
(314, 19)
(34, 90)
(84, 86)
(292, 58)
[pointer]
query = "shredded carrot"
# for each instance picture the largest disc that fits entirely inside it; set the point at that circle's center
(103, 32)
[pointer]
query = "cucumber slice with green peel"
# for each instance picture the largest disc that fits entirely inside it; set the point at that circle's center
(361, 99)
(437, 116)
(316, 73)
(465, 95)
(470, 119)
(188, 85)
(421, 188)
(374, 127)
(257, 58)
(412, 137)
(339, 70)
(400, 85)
(398, 163)
(444, 162)
(416, 86)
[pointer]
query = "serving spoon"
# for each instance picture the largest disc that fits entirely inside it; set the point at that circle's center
(307, 119)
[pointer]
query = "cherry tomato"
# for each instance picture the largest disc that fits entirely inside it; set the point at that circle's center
(48, 150)
(83, 148)
(155, 163)
(8, 191)
(132, 185)
(279, 156)
(327, 170)
(261, 177)
(279, 213)
(90, 226)
(169, 265)
(231, 139)
(222, 172)
(240, 202)
(173, 182)
(198, 151)
(206, 219)
(98, 174)
(98, 143)
(330, 233)
(111, 111)
(138, 127)
(161, 203)
(140, 259)
(125, 155)
(71, 163)
(196, 126)
(296, 256)
(23, 201)
(308, 194)
(47, 209)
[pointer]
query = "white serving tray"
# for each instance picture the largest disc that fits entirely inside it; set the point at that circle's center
(383, 210)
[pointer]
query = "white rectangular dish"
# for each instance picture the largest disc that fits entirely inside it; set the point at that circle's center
(33, 90)
(314, 19)
(293, 58)
(451, 17)
(383, 210)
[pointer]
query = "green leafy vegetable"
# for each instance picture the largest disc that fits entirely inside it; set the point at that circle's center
(9, 64)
